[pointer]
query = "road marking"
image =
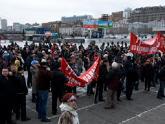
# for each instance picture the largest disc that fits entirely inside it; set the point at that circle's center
(140, 115)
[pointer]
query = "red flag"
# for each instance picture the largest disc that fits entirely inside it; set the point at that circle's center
(85, 78)
(92, 73)
(162, 42)
(68, 71)
(134, 41)
(150, 46)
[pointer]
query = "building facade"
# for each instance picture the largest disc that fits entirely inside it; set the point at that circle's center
(4, 24)
(147, 14)
(104, 17)
(75, 19)
(52, 26)
(139, 28)
(9, 28)
(127, 13)
(70, 30)
(120, 27)
(117, 16)
(66, 31)
(158, 26)
(17, 27)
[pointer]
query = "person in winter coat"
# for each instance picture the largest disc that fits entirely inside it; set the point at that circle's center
(131, 77)
(148, 74)
(34, 72)
(161, 77)
(57, 87)
(113, 85)
(103, 72)
(43, 86)
(21, 93)
(68, 108)
(7, 95)
(6, 57)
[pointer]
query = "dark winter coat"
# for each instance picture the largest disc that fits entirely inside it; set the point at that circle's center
(148, 71)
(58, 81)
(103, 73)
(131, 72)
(43, 79)
(161, 74)
(7, 89)
(21, 85)
(114, 79)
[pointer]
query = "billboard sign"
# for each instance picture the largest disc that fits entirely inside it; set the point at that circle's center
(97, 24)
(102, 24)
(110, 24)
(89, 24)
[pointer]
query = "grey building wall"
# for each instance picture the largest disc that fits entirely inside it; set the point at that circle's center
(147, 14)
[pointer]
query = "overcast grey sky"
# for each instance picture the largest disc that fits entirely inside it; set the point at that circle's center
(40, 11)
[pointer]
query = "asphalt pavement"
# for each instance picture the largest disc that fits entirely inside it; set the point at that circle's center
(144, 109)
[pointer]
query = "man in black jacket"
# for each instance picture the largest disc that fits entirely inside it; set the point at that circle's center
(21, 92)
(57, 87)
(7, 95)
(131, 77)
(161, 77)
(103, 72)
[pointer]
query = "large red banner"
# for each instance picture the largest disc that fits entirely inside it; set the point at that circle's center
(92, 73)
(162, 43)
(150, 46)
(85, 78)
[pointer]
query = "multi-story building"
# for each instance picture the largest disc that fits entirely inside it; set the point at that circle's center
(66, 29)
(157, 26)
(9, 28)
(140, 28)
(4, 24)
(127, 13)
(117, 16)
(27, 25)
(69, 29)
(75, 19)
(17, 27)
(147, 14)
(104, 17)
(120, 27)
(53, 26)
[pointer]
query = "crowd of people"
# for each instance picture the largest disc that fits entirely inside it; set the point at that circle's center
(120, 71)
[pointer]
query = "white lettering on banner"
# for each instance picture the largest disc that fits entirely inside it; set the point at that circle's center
(142, 49)
(91, 72)
(88, 76)
(133, 47)
(69, 70)
(84, 78)
(153, 49)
